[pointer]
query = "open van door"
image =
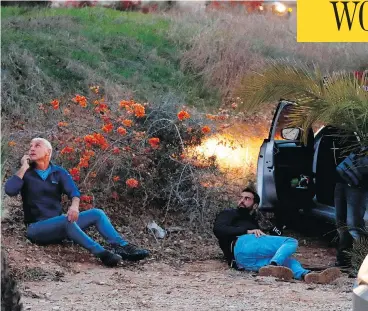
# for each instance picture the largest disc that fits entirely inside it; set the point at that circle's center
(284, 169)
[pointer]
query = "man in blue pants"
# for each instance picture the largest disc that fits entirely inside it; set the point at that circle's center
(246, 247)
(351, 202)
(41, 185)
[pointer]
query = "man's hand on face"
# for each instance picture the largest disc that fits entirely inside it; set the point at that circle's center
(24, 162)
(256, 232)
(73, 214)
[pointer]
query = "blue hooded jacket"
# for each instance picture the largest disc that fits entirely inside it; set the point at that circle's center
(42, 198)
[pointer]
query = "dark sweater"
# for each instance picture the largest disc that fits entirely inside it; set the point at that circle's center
(354, 170)
(230, 224)
(42, 198)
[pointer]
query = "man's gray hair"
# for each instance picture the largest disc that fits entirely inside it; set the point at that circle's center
(46, 142)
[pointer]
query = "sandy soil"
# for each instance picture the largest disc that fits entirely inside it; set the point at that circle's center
(207, 285)
(65, 277)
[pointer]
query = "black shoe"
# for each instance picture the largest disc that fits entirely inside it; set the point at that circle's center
(109, 259)
(130, 252)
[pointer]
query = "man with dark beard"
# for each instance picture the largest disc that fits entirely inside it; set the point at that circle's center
(246, 247)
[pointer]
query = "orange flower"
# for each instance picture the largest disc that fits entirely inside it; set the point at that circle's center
(12, 143)
(90, 139)
(88, 154)
(206, 129)
(96, 139)
(74, 171)
(127, 122)
(83, 162)
(132, 183)
(55, 104)
(107, 128)
(93, 174)
(116, 178)
(81, 100)
(61, 124)
(86, 198)
(121, 130)
(124, 104)
(102, 108)
(139, 110)
(154, 142)
(182, 115)
(115, 150)
(67, 150)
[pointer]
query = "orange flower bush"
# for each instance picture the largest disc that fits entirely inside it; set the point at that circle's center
(144, 145)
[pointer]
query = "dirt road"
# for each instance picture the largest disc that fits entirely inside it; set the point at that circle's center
(207, 285)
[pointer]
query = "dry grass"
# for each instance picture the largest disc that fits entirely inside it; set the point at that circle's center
(224, 47)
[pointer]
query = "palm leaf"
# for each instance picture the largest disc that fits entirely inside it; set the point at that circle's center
(339, 100)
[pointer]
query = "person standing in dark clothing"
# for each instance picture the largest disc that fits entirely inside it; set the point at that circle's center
(247, 247)
(351, 202)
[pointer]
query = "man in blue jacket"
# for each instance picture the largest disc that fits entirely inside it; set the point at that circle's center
(247, 247)
(41, 185)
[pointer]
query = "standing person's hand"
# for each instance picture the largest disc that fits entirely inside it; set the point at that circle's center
(73, 213)
(24, 162)
(256, 232)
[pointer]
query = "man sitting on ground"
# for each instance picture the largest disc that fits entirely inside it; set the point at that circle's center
(41, 186)
(246, 247)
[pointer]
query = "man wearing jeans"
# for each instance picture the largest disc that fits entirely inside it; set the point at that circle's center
(41, 185)
(249, 248)
(351, 202)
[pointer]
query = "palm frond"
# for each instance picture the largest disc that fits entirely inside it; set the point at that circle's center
(337, 99)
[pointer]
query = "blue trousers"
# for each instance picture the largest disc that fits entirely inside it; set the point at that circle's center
(351, 204)
(59, 228)
(252, 253)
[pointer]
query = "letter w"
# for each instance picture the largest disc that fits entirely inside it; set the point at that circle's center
(345, 11)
